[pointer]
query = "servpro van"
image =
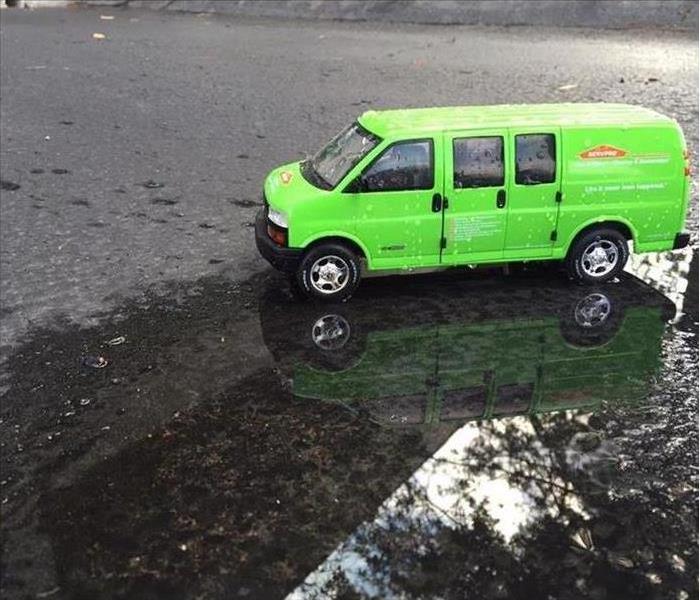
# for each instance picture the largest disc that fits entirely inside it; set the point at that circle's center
(440, 187)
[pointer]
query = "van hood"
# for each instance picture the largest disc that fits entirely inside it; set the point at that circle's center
(285, 186)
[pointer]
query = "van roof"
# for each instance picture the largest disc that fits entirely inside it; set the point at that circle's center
(429, 120)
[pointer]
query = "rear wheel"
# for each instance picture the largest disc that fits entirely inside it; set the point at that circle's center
(597, 256)
(329, 272)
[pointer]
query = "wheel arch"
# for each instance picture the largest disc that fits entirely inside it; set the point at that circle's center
(617, 223)
(345, 239)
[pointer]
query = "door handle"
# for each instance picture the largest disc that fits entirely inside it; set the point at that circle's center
(501, 198)
(437, 202)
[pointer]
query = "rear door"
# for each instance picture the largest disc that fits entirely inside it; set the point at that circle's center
(533, 192)
(475, 179)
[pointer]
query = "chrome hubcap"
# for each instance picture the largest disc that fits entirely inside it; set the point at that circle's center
(330, 332)
(329, 274)
(593, 310)
(599, 258)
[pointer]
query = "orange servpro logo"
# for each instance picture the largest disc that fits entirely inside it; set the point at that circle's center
(603, 151)
(286, 177)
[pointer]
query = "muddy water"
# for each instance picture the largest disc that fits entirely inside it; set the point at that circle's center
(440, 435)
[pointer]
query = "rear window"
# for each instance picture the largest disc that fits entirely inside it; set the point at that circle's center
(535, 158)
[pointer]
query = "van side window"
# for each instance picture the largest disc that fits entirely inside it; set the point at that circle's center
(535, 159)
(513, 398)
(402, 166)
(478, 162)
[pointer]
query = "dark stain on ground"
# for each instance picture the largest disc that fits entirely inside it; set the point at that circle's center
(236, 518)
(170, 474)
(9, 186)
(164, 201)
(6, 311)
(245, 203)
(242, 156)
(237, 522)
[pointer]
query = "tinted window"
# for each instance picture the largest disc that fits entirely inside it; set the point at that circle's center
(464, 403)
(535, 160)
(513, 398)
(478, 162)
(405, 166)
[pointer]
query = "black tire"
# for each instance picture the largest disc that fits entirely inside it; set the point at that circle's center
(337, 256)
(580, 262)
(295, 289)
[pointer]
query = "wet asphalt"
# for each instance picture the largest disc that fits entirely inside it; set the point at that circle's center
(455, 435)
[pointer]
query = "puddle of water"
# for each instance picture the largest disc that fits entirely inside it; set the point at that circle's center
(439, 435)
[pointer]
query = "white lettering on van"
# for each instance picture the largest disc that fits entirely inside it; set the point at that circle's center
(464, 229)
(627, 187)
(652, 160)
(651, 186)
(623, 162)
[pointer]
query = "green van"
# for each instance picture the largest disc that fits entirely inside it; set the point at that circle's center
(441, 187)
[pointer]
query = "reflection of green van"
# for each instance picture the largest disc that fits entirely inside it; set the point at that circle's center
(439, 187)
(516, 350)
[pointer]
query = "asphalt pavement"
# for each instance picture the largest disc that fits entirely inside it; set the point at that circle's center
(140, 158)
(201, 461)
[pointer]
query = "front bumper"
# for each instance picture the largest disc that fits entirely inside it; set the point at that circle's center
(283, 259)
(681, 241)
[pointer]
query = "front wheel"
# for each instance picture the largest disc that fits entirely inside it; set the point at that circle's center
(592, 321)
(598, 256)
(329, 272)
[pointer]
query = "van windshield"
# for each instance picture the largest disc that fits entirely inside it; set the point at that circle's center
(341, 154)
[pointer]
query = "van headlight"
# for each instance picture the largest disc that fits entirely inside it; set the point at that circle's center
(278, 218)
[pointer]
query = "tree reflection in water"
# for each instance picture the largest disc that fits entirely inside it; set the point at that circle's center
(561, 505)
(550, 507)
